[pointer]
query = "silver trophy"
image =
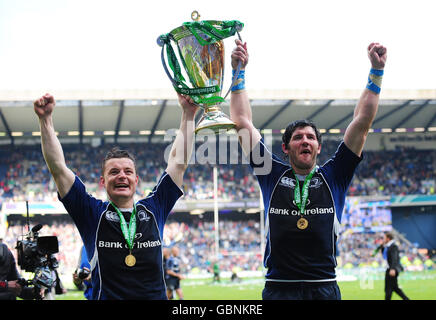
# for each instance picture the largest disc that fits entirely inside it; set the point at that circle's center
(200, 49)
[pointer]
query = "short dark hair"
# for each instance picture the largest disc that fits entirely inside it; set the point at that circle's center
(286, 137)
(389, 235)
(117, 153)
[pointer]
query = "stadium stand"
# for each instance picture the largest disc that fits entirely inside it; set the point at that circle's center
(403, 171)
(23, 172)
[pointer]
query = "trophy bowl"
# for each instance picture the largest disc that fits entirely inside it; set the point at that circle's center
(200, 48)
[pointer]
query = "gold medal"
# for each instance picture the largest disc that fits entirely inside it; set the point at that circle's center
(302, 223)
(130, 260)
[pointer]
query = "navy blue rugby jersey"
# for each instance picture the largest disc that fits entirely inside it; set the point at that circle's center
(291, 254)
(173, 264)
(99, 227)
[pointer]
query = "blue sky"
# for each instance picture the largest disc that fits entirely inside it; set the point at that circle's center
(313, 44)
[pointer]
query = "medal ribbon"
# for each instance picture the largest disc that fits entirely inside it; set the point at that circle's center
(128, 232)
(301, 200)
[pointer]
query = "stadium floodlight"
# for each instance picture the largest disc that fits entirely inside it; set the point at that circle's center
(73, 133)
(419, 129)
(334, 130)
(88, 133)
(160, 132)
(144, 132)
(431, 129)
(124, 133)
(386, 130)
(196, 211)
(35, 133)
(321, 131)
(109, 133)
(400, 130)
(17, 133)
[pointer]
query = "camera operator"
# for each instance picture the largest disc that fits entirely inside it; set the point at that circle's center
(10, 285)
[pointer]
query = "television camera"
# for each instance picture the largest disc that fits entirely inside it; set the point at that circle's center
(35, 254)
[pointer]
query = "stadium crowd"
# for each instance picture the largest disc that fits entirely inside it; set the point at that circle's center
(23, 173)
(24, 176)
(239, 243)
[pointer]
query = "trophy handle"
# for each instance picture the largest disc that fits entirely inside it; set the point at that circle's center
(173, 81)
(162, 43)
(177, 80)
(162, 56)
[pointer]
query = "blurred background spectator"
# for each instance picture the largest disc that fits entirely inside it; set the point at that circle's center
(24, 176)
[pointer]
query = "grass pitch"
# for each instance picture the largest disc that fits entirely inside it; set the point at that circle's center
(416, 285)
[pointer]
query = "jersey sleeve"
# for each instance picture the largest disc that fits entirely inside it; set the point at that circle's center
(339, 171)
(268, 169)
(84, 261)
(162, 198)
(85, 210)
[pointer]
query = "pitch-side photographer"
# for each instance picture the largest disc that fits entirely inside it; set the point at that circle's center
(10, 286)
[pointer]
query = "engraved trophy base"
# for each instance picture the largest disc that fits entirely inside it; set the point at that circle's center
(214, 120)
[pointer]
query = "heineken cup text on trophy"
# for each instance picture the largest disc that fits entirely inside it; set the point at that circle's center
(200, 50)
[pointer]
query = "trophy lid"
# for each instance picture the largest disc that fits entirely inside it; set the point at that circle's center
(185, 30)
